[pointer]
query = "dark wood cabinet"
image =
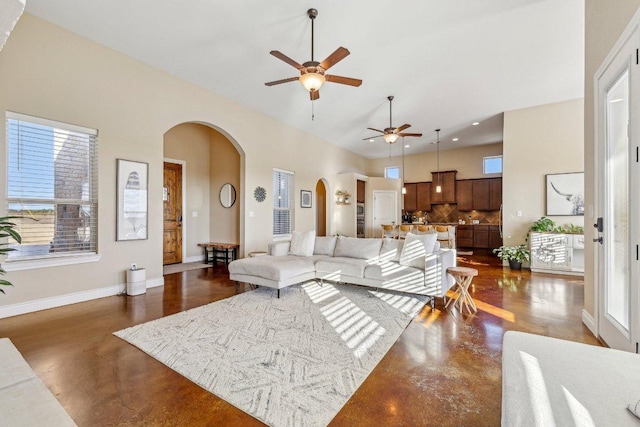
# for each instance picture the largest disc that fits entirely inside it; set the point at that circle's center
(495, 240)
(360, 193)
(410, 199)
(481, 195)
(481, 236)
(464, 195)
(447, 180)
(495, 193)
(423, 196)
(464, 236)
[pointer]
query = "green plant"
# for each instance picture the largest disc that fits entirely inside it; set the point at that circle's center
(518, 253)
(543, 225)
(569, 229)
(7, 229)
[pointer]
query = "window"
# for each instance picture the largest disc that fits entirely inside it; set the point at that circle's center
(52, 183)
(492, 164)
(282, 203)
(392, 172)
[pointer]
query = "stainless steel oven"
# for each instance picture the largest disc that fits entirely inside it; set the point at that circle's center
(360, 227)
(360, 210)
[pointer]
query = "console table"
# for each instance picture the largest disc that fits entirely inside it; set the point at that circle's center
(226, 252)
(557, 253)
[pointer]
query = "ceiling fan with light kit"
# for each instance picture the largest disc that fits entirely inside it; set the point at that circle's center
(392, 134)
(312, 73)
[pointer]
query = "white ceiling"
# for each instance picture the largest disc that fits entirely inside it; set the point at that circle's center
(448, 63)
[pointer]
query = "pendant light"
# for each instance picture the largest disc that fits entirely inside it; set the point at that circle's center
(404, 189)
(438, 186)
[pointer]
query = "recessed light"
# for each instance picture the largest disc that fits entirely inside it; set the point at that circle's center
(407, 146)
(371, 140)
(475, 123)
(454, 139)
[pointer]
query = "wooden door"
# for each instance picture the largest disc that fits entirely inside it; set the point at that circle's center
(423, 196)
(410, 199)
(321, 209)
(464, 195)
(172, 214)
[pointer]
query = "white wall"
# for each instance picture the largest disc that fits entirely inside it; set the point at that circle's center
(540, 140)
(52, 73)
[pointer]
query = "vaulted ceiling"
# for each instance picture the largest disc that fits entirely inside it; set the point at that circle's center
(447, 63)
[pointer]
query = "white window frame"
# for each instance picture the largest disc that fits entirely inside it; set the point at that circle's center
(289, 194)
(388, 168)
(484, 164)
(56, 258)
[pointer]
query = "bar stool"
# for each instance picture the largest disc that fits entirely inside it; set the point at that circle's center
(463, 276)
(388, 231)
(446, 236)
(403, 230)
(424, 229)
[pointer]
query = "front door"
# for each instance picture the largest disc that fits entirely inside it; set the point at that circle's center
(618, 200)
(172, 213)
(385, 210)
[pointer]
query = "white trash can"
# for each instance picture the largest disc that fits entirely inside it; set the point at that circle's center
(136, 281)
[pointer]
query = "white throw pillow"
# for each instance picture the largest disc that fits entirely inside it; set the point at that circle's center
(416, 246)
(302, 243)
(325, 245)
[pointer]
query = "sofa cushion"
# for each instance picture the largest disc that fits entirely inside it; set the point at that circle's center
(392, 271)
(273, 268)
(325, 245)
(302, 243)
(391, 249)
(416, 246)
(341, 266)
(352, 247)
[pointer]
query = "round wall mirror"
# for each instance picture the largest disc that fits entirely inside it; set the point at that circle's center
(227, 195)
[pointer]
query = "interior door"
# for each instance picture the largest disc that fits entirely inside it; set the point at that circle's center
(172, 214)
(385, 210)
(617, 204)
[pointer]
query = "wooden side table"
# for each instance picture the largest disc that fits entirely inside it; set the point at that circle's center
(220, 251)
(463, 276)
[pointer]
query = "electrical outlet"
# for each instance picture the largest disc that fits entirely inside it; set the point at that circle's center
(134, 266)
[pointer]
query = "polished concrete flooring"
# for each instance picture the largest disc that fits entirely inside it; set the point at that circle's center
(444, 369)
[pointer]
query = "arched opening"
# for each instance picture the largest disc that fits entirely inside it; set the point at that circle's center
(206, 167)
(321, 208)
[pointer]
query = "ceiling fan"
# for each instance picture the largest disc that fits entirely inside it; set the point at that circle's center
(391, 134)
(312, 73)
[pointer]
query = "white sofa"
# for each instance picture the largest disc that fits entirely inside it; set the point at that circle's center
(368, 262)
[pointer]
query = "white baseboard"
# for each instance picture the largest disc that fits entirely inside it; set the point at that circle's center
(73, 298)
(196, 258)
(589, 322)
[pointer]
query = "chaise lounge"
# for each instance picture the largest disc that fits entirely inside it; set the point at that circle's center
(414, 265)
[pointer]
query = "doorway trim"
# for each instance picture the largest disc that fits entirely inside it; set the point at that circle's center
(183, 163)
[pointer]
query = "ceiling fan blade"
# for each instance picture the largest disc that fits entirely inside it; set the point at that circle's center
(337, 56)
(314, 94)
(286, 59)
(277, 82)
(377, 130)
(403, 127)
(410, 134)
(343, 80)
(371, 137)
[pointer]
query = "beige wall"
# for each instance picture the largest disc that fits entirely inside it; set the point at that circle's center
(538, 141)
(604, 23)
(52, 73)
(225, 168)
(418, 167)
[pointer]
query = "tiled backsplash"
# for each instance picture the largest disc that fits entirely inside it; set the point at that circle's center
(449, 213)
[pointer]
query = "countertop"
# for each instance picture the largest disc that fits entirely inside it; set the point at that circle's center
(444, 223)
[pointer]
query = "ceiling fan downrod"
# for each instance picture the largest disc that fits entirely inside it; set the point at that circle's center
(312, 13)
(390, 98)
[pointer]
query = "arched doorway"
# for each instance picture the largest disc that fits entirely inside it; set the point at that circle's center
(321, 208)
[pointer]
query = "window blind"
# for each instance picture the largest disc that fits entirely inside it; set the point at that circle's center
(282, 202)
(52, 184)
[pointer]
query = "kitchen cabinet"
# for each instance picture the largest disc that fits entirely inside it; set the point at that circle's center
(481, 195)
(481, 236)
(557, 253)
(495, 194)
(423, 196)
(360, 191)
(464, 195)
(464, 236)
(447, 180)
(495, 239)
(410, 199)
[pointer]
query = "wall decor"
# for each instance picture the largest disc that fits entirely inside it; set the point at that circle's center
(305, 198)
(227, 195)
(132, 202)
(259, 194)
(565, 194)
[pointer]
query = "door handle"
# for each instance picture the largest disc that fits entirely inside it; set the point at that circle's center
(598, 240)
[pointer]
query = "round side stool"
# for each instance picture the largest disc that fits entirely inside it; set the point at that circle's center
(463, 276)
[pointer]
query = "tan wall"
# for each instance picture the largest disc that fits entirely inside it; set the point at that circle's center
(604, 23)
(189, 142)
(225, 168)
(418, 167)
(538, 141)
(52, 73)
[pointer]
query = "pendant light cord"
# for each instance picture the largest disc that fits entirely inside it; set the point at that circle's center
(438, 153)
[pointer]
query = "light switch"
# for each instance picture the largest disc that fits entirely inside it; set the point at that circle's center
(518, 213)
(194, 214)
(250, 214)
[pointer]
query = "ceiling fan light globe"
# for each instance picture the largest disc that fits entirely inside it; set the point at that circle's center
(390, 137)
(312, 81)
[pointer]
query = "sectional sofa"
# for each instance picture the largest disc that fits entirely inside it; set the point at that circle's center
(414, 265)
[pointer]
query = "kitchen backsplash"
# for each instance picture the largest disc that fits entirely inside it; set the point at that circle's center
(449, 213)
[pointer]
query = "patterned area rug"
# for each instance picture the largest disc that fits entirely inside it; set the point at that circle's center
(289, 361)
(179, 268)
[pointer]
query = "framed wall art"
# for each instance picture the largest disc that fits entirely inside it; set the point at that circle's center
(305, 198)
(132, 213)
(565, 194)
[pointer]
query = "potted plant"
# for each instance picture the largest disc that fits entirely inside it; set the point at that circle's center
(7, 229)
(516, 255)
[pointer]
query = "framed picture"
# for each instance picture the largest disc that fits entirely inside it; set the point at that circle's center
(305, 198)
(132, 185)
(565, 194)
